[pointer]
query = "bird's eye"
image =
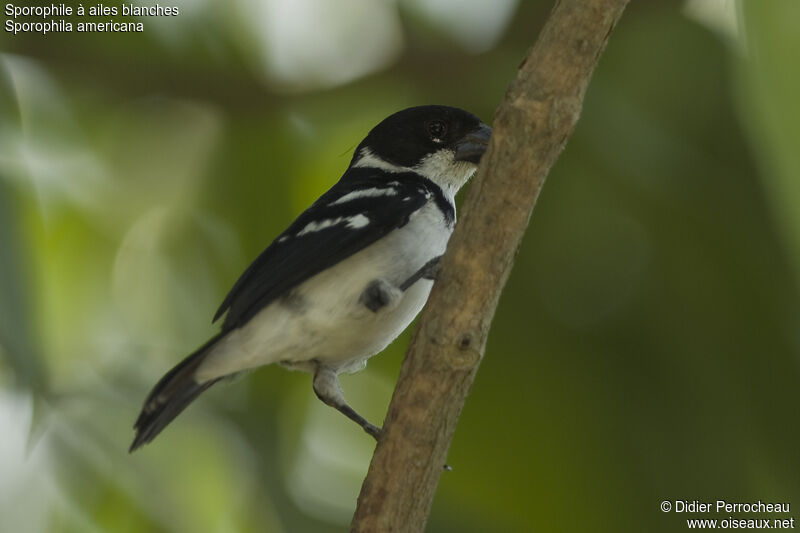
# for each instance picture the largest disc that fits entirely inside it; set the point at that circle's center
(437, 130)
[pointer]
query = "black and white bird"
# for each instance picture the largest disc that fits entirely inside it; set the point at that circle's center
(348, 276)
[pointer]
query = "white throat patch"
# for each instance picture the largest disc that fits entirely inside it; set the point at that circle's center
(443, 170)
(439, 167)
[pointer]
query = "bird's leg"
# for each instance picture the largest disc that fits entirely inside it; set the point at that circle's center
(428, 271)
(327, 389)
(380, 294)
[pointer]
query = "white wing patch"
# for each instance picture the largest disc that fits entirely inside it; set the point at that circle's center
(354, 222)
(358, 221)
(365, 193)
(320, 224)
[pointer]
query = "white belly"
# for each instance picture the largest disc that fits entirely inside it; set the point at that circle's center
(324, 320)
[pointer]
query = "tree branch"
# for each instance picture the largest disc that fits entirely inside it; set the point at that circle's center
(531, 127)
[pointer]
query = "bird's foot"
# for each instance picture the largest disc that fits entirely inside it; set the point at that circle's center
(380, 294)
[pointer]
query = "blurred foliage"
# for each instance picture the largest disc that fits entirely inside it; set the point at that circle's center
(646, 347)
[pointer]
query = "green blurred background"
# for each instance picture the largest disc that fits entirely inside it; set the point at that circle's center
(647, 346)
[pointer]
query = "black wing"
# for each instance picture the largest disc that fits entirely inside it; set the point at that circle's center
(324, 234)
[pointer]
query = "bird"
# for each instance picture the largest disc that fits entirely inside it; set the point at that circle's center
(348, 275)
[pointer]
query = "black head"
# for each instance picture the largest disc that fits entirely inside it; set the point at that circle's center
(408, 136)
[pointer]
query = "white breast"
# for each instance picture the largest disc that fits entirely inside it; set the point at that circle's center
(324, 320)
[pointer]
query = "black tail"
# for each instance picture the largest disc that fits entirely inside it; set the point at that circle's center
(171, 395)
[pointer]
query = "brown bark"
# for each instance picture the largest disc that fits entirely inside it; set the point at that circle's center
(531, 127)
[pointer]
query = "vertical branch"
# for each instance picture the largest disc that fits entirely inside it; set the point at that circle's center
(531, 127)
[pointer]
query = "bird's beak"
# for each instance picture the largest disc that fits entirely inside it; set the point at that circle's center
(473, 145)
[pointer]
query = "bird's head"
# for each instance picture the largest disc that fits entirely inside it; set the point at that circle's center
(443, 144)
